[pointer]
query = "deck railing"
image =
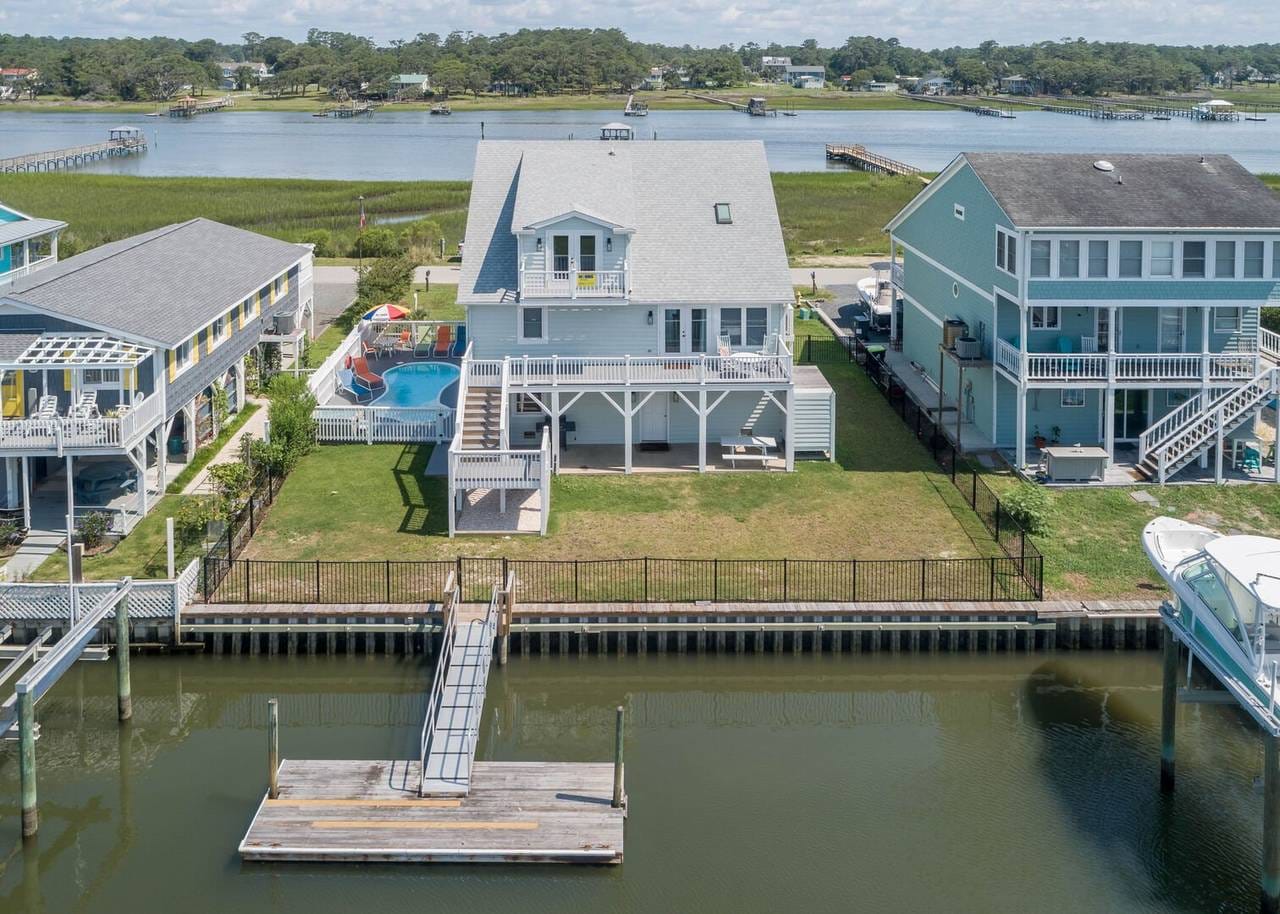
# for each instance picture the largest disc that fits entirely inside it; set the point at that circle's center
(1269, 343)
(383, 424)
(1125, 367)
(32, 267)
(738, 368)
(539, 282)
(62, 434)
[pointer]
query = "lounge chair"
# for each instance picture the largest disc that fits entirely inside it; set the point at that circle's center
(423, 348)
(370, 379)
(444, 342)
(460, 343)
(368, 350)
(403, 342)
(347, 381)
(47, 408)
(86, 407)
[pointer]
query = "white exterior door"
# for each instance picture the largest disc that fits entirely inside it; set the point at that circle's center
(684, 331)
(1171, 327)
(653, 419)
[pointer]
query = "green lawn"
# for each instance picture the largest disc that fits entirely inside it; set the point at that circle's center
(837, 213)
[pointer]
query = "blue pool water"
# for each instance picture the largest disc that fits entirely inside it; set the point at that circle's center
(417, 383)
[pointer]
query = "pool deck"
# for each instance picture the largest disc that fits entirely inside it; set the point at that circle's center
(384, 363)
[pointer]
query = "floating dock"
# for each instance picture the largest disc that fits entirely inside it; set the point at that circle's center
(864, 160)
(362, 811)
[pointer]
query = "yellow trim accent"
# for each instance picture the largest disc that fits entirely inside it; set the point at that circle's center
(11, 395)
(195, 349)
(66, 380)
(173, 364)
(208, 339)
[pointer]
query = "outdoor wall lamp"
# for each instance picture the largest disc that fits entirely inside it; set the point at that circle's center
(608, 243)
(539, 243)
(649, 319)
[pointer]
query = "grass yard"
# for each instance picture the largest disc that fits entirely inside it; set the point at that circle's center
(883, 499)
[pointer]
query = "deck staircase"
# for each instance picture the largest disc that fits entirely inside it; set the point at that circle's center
(482, 418)
(749, 426)
(1183, 436)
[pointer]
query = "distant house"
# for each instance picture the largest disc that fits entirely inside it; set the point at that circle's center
(410, 84)
(26, 244)
(655, 80)
(14, 80)
(806, 77)
(1017, 85)
(230, 68)
(774, 67)
(872, 85)
(934, 84)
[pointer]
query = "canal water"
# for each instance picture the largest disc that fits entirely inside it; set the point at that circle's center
(757, 784)
(413, 145)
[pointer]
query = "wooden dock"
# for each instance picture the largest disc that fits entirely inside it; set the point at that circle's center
(370, 811)
(356, 109)
(190, 107)
(862, 159)
(74, 156)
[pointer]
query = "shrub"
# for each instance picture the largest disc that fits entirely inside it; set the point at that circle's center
(323, 241)
(191, 523)
(1029, 506)
(231, 481)
(1271, 319)
(93, 529)
(421, 240)
(376, 242)
(385, 280)
(292, 430)
(8, 531)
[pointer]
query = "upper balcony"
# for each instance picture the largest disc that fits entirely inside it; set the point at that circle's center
(26, 244)
(1086, 368)
(9, 276)
(568, 281)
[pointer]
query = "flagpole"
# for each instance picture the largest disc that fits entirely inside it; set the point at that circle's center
(360, 237)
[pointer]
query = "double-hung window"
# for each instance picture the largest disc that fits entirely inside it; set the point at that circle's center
(1068, 259)
(731, 325)
(757, 327)
(1226, 320)
(1193, 259)
(1253, 259)
(533, 327)
(1275, 259)
(1044, 317)
(217, 331)
(1099, 259)
(182, 356)
(1007, 252)
(1224, 260)
(1040, 258)
(1130, 259)
(1162, 258)
(1073, 396)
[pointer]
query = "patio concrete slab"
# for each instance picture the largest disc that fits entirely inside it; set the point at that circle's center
(482, 512)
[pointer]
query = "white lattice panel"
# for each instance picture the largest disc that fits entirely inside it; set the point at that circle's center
(39, 602)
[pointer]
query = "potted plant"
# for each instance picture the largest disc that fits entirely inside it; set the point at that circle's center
(1038, 439)
(1056, 433)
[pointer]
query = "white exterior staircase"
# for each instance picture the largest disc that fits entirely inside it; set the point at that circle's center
(1184, 435)
(482, 419)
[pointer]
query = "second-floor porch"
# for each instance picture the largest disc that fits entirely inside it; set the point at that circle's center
(564, 277)
(77, 394)
(27, 246)
(1146, 368)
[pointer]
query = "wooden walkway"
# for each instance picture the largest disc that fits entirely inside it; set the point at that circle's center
(458, 702)
(71, 156)
(370, 811)
(863, 160)
(190, 107)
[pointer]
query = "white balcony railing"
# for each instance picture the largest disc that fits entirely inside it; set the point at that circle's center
(58, 435)
(1269, 343)
(538, 282)
(1126, 368)
(18, 272)
(740, 367)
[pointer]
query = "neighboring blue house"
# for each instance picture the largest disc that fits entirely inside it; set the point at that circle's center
(26, 244)
(1111, 302)
(635, 297)
(110, 361)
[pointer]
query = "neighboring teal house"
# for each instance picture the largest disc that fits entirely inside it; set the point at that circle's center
(26, 244)
(1111, 302)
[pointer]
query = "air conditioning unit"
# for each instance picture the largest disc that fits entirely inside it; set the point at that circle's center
(952, 330)
(968, 347)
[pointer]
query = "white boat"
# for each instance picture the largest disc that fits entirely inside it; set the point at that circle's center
(876, 293)
(1227, 608)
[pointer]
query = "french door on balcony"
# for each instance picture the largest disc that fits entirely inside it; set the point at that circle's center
(684, 331)
(577, 250)
(1131, 416)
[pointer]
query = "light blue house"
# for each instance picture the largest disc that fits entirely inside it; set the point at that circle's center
(1111, 303)
(636, 298)
(26, 243)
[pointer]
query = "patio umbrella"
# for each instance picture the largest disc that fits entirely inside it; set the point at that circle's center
(387, 313)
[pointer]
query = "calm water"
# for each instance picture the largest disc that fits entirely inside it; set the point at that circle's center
(414, 145)
(757, 784)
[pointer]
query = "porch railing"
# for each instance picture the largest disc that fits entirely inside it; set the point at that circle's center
(1269, 343)
(383, 424)
(742, 367)
(1124, 367)
(572, 283)
(19, 272)
(61, 434)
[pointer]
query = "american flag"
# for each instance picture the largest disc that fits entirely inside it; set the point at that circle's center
(361, 214)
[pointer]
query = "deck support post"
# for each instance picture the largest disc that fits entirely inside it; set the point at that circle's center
(1168, 710)
(124, 691)
(702, 430)
(1271, 826)
(26, 492)
(27, 760)
(273, 748)
(617, 762)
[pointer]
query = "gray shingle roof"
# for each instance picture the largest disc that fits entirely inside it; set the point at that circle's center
(13, 345)
(1143, 191)
(27, 228)
(160, 286)
(665, 190)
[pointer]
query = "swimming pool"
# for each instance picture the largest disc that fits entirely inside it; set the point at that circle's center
(417, 383)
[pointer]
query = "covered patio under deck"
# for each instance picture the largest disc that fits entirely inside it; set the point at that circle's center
(604, 459)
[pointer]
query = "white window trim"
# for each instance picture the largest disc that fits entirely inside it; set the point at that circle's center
(1270, 263)
(1007, 233)
(180, 366)
(1222, 312)
(957, 210)
(1086, 259)
(1031, 243)
(532, 341)
(575, 246)
(1084, 398)
(1044, 324)
(100, 385)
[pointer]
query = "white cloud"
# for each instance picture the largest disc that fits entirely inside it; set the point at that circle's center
(919, 23)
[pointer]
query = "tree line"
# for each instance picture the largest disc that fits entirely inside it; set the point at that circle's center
(550, 61)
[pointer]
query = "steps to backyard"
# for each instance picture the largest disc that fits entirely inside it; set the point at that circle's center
(481, 427)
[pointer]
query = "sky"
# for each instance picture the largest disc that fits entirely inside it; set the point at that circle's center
(917, 23)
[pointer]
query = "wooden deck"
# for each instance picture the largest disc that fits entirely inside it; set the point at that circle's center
(863, 159)
(370, 811)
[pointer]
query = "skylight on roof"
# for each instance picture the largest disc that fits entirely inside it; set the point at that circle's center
(723, 216)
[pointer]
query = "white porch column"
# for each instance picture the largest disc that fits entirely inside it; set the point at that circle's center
(791, 428)
(555, 431)
(53, 247)
(162, 456)
(12, 491)
(628, 429)
(240, 383)
(1206, 316)
(1020, 440)
(1109, 423)
(1219, 447)
(702, 431)
(26, 492)
(71, 502)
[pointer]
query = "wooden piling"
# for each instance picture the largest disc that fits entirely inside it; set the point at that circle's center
(1169, 710)
(273, 748)
(27, 762)
(617, 762)
(124, 691)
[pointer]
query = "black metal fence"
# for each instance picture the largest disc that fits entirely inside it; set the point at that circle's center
(1010, 536)
(240, 528)
(639, 580)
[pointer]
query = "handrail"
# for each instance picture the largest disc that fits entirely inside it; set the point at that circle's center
(1216, 415)
(1156, 433)
(453, 595)
(1269, 343)
(504, 433)
(459, 417)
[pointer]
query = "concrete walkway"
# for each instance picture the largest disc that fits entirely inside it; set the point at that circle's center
(230, 452)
